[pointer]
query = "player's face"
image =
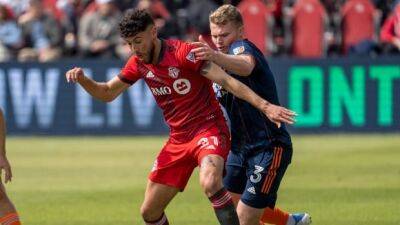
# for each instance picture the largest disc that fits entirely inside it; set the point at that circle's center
(142, 44)
(223, 35)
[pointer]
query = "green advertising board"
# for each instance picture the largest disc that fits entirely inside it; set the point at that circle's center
(341, 95)
(330, 95)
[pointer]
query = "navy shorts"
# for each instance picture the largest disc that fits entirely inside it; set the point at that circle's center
(257, 176)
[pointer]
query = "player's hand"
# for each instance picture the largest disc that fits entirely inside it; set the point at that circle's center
(5, 165)
(278, 114)
(75, 75)
(203, 51)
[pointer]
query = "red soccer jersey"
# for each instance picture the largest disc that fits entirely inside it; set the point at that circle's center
(185, 96)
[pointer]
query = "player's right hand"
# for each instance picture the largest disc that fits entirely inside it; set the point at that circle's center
(75, 75)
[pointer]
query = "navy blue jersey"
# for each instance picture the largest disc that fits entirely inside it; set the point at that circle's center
(251, 129)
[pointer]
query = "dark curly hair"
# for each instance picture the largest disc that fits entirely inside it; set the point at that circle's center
(134, 22)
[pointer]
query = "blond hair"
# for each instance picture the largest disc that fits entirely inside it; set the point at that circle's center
(225, 14)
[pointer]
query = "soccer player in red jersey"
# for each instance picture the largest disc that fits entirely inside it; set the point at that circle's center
(8, 213)
(182, 88)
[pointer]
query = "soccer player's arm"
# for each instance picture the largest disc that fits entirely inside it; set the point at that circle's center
(241, 65)
(210, 70)
(275, 113)
(4, 164)
(241, 62)
(105, 91)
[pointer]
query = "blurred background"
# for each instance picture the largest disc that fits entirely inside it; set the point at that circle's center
(336, 63)
(47, 30)
(78, 161)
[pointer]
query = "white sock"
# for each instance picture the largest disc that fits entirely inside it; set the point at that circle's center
(291, 220)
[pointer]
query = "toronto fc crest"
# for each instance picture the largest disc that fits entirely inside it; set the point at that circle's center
(173, 72)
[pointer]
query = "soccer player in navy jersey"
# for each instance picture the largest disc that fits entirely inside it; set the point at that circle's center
(261, 150)
(8, 213)
(182, 88)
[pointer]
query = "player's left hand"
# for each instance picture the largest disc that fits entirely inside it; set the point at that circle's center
(5, 165)
(203, 51)
(278, 114)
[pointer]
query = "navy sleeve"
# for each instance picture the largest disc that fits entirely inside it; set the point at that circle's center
(241, 47)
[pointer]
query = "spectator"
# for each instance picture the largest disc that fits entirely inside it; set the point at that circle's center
(359, 25)
(307, 27)
(198, 12)
(166, 24)
(18, 7)
(10, 35)
(72, 11)
(98, 31)
(385, 6)
(390, 32)
(42, 34)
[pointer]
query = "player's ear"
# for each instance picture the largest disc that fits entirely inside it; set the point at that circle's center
(154, 32)
(241, 30)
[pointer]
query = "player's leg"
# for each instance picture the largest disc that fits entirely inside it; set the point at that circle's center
(235, 182)
(235, 176)
(170, 174)
(265, 172)
(248, 215)
(211, 170)
(156, 199)
(274, 216)
(8, 214)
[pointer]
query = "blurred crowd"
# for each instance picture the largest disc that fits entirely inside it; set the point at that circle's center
(46, 30)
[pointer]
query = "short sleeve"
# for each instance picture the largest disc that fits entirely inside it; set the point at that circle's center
(187, 59)
(130, 73)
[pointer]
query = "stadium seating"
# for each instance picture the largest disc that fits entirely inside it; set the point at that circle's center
(306, 28)
(359, 20)
(258, 24)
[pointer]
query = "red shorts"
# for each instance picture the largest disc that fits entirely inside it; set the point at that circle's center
(176, 161)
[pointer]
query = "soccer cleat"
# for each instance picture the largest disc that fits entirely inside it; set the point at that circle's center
(301, 218)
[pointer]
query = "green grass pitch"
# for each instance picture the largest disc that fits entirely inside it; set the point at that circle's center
(340, 180)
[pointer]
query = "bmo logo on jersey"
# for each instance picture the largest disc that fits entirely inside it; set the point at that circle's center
(161, 91)
(182, 86)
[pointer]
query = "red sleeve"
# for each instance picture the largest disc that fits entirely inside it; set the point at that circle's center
(187, 59)
(130, 73)
(387, 30)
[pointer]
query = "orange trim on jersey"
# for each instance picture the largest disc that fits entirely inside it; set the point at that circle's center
(276, 161)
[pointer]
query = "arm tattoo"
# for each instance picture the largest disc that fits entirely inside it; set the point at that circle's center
(205, 68)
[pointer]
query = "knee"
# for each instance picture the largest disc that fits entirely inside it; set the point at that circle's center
(248, 216)
(150, 213)
(211, 183)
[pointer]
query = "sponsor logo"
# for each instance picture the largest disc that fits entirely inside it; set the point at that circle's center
(238, 50)
(149, 74)
(182, 86)
(191, 57)
(251, 190)
(161, 91)
(173, 72)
